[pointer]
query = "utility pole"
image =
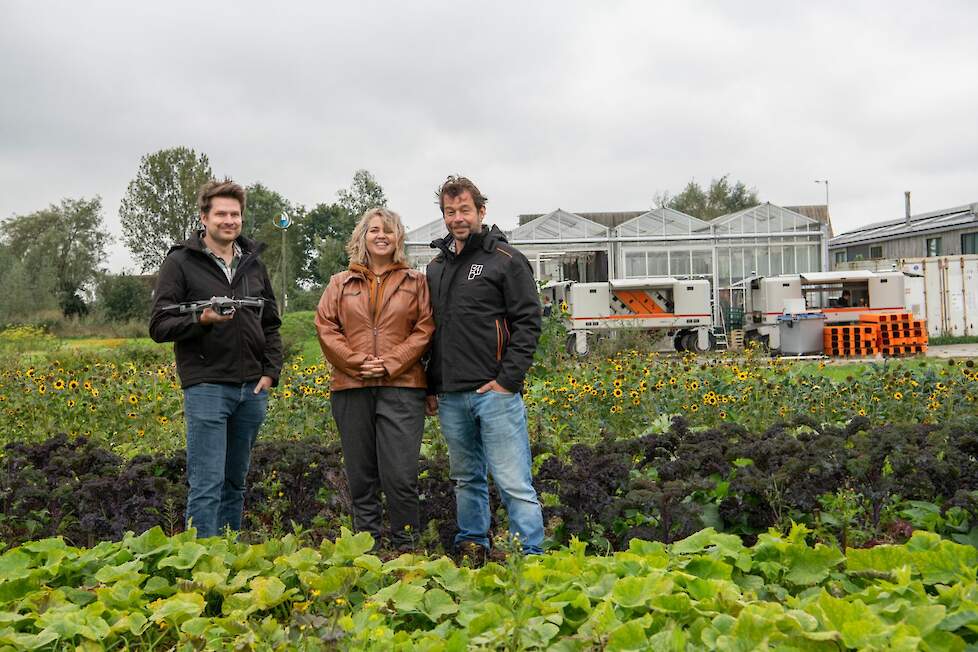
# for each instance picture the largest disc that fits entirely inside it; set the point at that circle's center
(283, 222)
(826, 182)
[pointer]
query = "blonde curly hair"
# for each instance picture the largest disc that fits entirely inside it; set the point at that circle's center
(356, 248)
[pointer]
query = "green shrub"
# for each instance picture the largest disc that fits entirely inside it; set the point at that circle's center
(124, 298)
(296, 328)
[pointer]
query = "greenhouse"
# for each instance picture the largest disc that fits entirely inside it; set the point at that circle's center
(764, 240)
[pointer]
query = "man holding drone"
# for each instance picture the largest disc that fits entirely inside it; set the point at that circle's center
(214, 301)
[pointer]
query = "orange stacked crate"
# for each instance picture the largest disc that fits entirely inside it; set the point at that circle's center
(899, 333)
(851, 340)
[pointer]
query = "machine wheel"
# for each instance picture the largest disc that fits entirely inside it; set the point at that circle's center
(689, 342)
(679, 340)
(571, 345)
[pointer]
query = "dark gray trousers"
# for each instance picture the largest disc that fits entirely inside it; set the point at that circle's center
(381, 429)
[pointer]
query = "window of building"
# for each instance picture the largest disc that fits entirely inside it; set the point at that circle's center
(876, 251)
(840, 257)
(969, 243)
(933, 247)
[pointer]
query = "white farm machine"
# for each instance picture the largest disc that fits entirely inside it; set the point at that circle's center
(840, 296)
(677, 308)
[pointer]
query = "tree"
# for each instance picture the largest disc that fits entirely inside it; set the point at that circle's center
(329, 226)
(123, 298)
(325, 232)
(363, 194)
(331, 258)
(720, 199)
(160, 205)
(264, 206)
(59, 249)
(24, 294)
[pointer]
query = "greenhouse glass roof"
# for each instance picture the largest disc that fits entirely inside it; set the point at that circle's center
(558, 225)
(661, 222)
(765, 218)
(428, 232)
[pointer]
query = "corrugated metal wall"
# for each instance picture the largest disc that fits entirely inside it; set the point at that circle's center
(913, 246)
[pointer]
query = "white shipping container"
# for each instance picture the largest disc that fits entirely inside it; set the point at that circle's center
(944, 291)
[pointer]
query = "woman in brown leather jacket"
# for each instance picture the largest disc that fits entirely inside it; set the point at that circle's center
(374, 323)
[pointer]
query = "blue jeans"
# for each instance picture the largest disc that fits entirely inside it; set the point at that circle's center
(222, 425)
(487, 433)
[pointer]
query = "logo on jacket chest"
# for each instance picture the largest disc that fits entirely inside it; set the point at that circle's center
(475, 270)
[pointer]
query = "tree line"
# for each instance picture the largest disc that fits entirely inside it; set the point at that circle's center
(52, 260)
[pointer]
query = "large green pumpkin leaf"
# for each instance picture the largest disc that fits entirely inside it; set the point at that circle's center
(402, 597)
(810, 565)
(628, 637)
(437, 603)
(177, 608)
(184, 557)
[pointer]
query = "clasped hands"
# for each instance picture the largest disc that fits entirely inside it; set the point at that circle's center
(372, 367)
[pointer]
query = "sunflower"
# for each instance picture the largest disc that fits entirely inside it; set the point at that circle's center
(71, 402)
(72, 384)
(41, 389)
(618, 393)
(898, 396)
(133, 399)
(59, 384)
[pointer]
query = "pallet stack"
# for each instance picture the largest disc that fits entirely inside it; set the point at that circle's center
(899, 333)
(851, 340)
(736, 340)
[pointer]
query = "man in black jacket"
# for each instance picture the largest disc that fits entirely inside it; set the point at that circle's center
(487, 323)
(226, 362)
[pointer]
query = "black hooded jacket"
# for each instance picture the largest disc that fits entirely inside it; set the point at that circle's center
(487, 314)
(237, 351)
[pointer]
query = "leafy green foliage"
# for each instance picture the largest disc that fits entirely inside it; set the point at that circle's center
(56, 251)
(708, 591)
(362, 195)
(123, 297)
(720, 198)
(160, 204)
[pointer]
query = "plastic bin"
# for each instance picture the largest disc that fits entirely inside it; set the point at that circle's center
(801, 333)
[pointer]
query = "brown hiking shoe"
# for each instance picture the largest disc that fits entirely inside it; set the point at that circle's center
(471, 554)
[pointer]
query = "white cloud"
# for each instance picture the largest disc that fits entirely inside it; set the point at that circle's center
(572, 104)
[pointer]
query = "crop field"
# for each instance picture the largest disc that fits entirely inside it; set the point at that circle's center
(713, 502)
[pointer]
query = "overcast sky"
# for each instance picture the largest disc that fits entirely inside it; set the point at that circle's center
(584, 106)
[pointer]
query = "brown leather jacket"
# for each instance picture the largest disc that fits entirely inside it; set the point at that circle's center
(398, 328)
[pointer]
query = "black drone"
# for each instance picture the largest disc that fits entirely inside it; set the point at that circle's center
(220, 305)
